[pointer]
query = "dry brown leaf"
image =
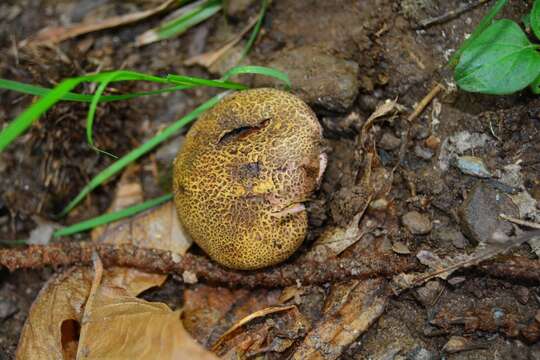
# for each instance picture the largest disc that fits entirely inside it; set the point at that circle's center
(55, 35)
(242, 322)
(275, 334)
(349, 311)
(209, 311)
(54, 317)
(118, 325)
(208, 58)
(158, 228)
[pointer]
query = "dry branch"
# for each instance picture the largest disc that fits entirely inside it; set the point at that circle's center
(164, 262)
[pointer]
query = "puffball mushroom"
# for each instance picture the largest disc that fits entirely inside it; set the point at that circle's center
(243, 173)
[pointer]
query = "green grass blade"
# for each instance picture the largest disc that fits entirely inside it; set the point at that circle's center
(32, 113)
(110, 217)
(189, 80)
(484, 23)
(70, 96)
(140, 151)
(92, 111)
(24, 120)
(255, 31)
(261, 70)
(185, 22)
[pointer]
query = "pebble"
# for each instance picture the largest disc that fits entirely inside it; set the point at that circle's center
(479, 214)
(7, 308)
(433, 142)
(422, 152)
(428, 293)
(522, 294)
(400, 248)
(447, 235)
(389, 141)
(416, 223)
(472, 165)
(421, 353)
(456, 344)
(419, 132)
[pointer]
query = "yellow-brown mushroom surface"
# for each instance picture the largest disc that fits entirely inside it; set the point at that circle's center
(243, 173)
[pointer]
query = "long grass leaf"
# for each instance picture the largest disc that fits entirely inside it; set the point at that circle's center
(189, 80)
(110, 217)
(261, 70)
(255, 31)
(70, 96)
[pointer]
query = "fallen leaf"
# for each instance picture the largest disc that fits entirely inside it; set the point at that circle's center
(51, 329)
(242, 322)
(46, 327)
(208, 58)
(276, 333)
(349, 311)
(118, 325)
(55, 35)
(209, 311)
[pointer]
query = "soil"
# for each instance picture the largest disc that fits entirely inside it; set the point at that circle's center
(371, 51)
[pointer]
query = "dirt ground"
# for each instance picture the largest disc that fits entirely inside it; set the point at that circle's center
(344, 57)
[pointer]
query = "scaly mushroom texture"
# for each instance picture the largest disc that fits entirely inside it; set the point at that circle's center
(243, 173)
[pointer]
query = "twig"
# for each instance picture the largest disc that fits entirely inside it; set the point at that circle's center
(513, 268)
(520, 222)
(164, 262)
(425, 102)
(449, 15)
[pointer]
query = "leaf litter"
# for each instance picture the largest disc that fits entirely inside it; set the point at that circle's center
(104, 310)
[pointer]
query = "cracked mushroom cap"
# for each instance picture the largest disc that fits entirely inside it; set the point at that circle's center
(243, 173)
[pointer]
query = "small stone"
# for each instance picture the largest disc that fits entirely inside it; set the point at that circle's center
(420, 353)
(472, 165)
(7, 308)
(419, 132)
(416, 223)
(537, 316)
(479, 214)
(400, 248)
(522, 294)
(428, 293)
(433, 142)
(456, 280)
(456, 344)
(447, 235)
(189, 277)
(389, 141)
(422, 152)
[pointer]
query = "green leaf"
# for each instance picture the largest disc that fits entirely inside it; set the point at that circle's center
(110, 217)
(535, 18)
(486, 21)
(500, 61)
